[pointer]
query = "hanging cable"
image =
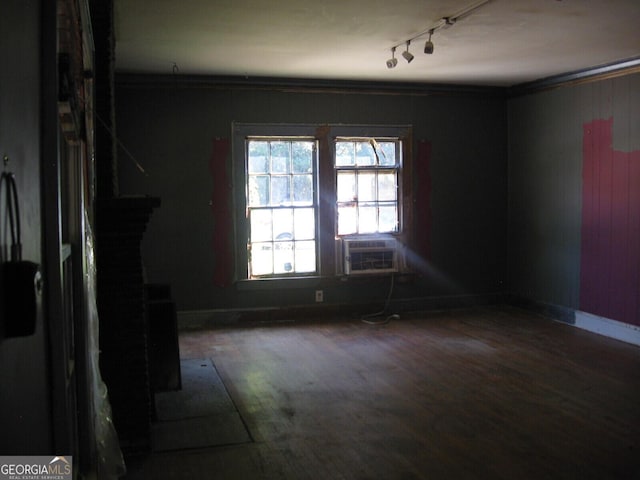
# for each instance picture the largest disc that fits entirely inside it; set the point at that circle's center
(13, 214)
(394, 316)
(120, 144)
(93, 112)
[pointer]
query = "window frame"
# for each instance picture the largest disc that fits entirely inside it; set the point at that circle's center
(396, 168)
(328, 243)
(275, 241)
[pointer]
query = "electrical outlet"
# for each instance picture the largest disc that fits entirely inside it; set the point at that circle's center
(319, 296)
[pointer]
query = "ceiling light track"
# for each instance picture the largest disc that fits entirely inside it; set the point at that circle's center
(444, 22)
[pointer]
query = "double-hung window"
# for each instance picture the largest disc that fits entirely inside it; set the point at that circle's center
(281, 206)
(367, 175)
(302, 191)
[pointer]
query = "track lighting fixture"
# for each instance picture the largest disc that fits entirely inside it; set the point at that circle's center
(444, 23)
(393, 61)
(407, 54)
(428, 47)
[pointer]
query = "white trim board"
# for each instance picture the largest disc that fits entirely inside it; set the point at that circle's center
(607, 327)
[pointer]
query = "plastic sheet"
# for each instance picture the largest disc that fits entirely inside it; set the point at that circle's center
(110, 460)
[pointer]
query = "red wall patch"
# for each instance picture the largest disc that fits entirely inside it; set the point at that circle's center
(610, 258)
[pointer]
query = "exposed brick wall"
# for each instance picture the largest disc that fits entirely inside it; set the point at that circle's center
(123, 323)
(120, 224)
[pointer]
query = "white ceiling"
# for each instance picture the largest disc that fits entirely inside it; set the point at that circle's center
(502, 43)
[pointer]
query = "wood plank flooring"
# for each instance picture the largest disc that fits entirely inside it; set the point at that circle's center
(484, 393)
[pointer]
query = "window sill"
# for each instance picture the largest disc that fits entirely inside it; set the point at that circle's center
(318, 281)
(278, 283)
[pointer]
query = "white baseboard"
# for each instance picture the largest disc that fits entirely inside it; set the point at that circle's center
(607, 327)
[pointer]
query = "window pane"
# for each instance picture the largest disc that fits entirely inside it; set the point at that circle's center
(365, 154)
(304, 224)
(302, 154)
(346, 220)
(366, 187)
(303, 189)
(367, 220)
(283, 261)
(346, 186)
(387, 153)
(280, 192)
(261, 259)
(305, 255)
(345, 154)
(261, 226)
(386, 186)
(388, 219)
(283, 223)
(280, 157)
(258, 157)
(258, 190)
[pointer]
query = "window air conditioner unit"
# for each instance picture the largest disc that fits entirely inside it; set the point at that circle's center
(370, 255)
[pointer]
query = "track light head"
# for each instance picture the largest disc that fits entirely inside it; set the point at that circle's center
(428, 47)
(407, 54)
(393, 61)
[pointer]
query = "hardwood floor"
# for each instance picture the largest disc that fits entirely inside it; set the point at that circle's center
(484, 393)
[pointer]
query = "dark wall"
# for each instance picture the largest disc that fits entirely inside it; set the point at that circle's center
(170, 130)
(574, 210)
(24, 375)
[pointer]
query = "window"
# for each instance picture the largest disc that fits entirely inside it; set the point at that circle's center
(367, 185)
(281, 206)
(303, 190)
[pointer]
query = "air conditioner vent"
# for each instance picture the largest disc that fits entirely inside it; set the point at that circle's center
(367, 243)
(370, 256)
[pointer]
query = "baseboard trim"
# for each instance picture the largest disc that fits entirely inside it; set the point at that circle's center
(583, 320)
(556, 312)
(608, 327)
(195, 319)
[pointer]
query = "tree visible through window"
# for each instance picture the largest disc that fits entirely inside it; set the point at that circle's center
(367, 185)
(281, 206)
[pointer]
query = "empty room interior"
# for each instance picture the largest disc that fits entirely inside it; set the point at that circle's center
(310, 240)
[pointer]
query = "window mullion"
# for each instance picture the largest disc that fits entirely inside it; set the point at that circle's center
(357, 202)
(377, 199)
